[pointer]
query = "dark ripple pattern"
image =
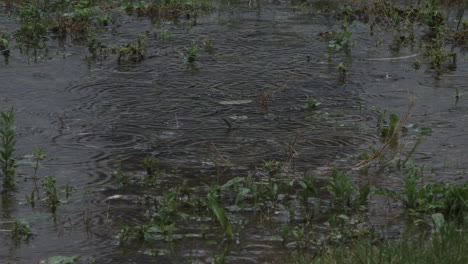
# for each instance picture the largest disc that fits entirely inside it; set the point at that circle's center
(112, 116)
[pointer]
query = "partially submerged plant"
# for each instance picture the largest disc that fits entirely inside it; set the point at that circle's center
(438, 58)
(344, 192)
(32, 32)
(342, 72)
(7, 148)
(272, 167)
(37, 156)
(190, 53)
(4, 42)
(21, 231)
(341, 39)
(164, 34)
(312, 103)
(448, 199)
(208, 44)
(152, 170)
(122, 178)
(220, 214)
(133, 52)
(51, 192)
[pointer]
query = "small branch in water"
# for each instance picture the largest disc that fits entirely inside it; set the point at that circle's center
(393, 58)
(108, 212)
(176, 120)
(227, 122)
(391, 139)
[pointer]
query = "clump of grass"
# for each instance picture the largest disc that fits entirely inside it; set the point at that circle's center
(208, 44)
(344, 192)
(51, 192)
(341, 40)
(448, 199)
(77, 20)
(4, 42)
(438, 58)
(133, 52)
(312, 103)
(190, 53)
(32, 32)
(272, 167)
(173, 7)
(447, 246)
(164, 34)
(7, 148)
(122, 178)
(152, 170)
(21, 231)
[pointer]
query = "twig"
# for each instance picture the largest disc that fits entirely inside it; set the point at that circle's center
(219, 154)
(227, 122)
(390, 140)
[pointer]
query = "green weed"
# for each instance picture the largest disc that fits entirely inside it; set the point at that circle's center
(448, 199)
(152, 171)
(37, 156)
(447, 246)
(341, 39)
(208, 44)
(32, 32)
(51, 192)
(21, 231)
(190, 53)
(272, 167)
(7, 149)
(122, 178)
(312, 103)
(133, 52)
(4, 42)
(164, 34)
(220, 214)
(344, 192)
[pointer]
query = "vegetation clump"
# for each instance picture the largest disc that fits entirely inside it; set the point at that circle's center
(133, 52)
(7, 149)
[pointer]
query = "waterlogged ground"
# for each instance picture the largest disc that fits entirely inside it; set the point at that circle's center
(92, 116)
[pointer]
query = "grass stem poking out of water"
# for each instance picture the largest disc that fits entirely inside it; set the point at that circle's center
(7, 149)
(342, 72)
(152, 170)
(37, 156)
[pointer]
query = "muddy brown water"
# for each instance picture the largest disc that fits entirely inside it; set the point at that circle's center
(93, 116)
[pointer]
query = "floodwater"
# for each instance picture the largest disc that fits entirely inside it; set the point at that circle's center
(93, 116)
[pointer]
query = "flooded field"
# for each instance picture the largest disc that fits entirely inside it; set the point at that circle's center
(240, 92)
